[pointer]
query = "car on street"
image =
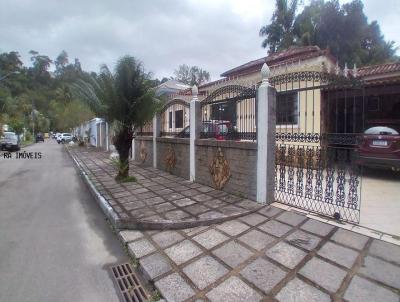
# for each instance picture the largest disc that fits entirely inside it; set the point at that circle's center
(379, 147)
(9, 142)
(39, 137)
(219, 130)
(64, 138)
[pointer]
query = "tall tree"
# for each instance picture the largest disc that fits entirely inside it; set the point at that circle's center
(193, 75)
(123, 98)
(279, 33)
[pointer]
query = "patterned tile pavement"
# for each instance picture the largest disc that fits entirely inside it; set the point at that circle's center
(271, 255)
(268, 255)
(159, 199)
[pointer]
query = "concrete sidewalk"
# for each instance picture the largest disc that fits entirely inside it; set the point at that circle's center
(268, 255)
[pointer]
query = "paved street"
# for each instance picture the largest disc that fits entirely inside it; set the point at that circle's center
(55, 244)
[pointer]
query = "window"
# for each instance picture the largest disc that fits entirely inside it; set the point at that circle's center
(179, 119)
(224, 112)
(170, 120)
(287, 109)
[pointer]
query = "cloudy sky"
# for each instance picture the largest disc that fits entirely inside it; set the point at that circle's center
(213, 34)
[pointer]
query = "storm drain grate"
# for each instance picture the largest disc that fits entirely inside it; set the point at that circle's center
(128, 283)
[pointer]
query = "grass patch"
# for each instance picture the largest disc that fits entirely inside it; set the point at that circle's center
(125, 179)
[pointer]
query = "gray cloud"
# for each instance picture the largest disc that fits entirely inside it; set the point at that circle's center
(213, 34)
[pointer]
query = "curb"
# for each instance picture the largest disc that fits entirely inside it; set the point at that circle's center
(104, 205)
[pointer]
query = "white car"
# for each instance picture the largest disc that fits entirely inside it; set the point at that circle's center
(64, 138)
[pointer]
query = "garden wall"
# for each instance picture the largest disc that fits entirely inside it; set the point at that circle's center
(239, 157)
(173, 156)
(144, 150)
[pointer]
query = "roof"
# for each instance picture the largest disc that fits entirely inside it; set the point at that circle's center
(378, 69)
(173, 84)
(290, 55)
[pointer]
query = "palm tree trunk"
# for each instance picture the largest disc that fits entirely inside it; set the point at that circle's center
(123, 142)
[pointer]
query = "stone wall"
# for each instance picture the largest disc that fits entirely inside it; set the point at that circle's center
(173, 149)
(147, 143)
(241, 158)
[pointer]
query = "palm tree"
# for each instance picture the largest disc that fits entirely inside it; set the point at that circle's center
(279, 34)
(124, 98)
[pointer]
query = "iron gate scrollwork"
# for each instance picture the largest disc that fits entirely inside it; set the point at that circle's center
(320, 117)
(229, 113)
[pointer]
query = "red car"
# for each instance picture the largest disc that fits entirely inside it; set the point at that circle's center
(379, 147)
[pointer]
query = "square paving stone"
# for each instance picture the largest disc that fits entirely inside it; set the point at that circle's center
(286, 254)
(195, 230)
(128, 235)
(263, 274)
(233, 290)
(215, 203)
(154, 200)
(155, 265)
(164, 207)
(190, 192)
(248, 204)
(166, 238)
(184, 202)
(173, 196)
(387, 251)
(202, 197)
(196, 209)
(204, 271)
(211, 215)
(253, 219)
(304, 240)
(183, 251)
(275, 228)
(231, 210)
(205, 189)
(230, 198)
(256, 239)
(338, 254)
(141, 248)
(176, 215)
(350, 239)
(210, 238)
(233, 253)
(299, 291)
(233, 227)
(324, 274)
(382, 271)
(174, 288)
(291, 218)
(317, 227)
(362, 290)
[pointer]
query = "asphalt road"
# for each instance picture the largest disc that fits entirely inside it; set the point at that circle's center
(55, 244)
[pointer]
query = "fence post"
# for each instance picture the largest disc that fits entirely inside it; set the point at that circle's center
(266, 124)
(156, 133)
(195, 125)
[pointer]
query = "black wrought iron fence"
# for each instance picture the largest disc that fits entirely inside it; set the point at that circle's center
(319, 119)
(145, 130)
(229, 113)
(175, 119)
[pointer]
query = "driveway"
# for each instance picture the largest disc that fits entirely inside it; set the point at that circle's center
(380, 201)
(55, 244)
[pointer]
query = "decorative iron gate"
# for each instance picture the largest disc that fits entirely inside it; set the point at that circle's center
(175, 118)
(319, 119)
(230, 113)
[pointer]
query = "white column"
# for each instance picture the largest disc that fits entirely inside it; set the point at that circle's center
(195, 124)
(266, 124)
(156, 133)
(107, 142)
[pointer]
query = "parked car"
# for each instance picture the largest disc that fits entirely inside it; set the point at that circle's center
(379, 147)
(64, 138)
(39, 137)
(220, 130)
(9, 142)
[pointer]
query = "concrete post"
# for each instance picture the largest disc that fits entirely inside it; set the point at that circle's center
(156, 133)
(266, 124)
(107, 138)
(195, 126)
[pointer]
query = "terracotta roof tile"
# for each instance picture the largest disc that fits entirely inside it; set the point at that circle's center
(378, 69)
